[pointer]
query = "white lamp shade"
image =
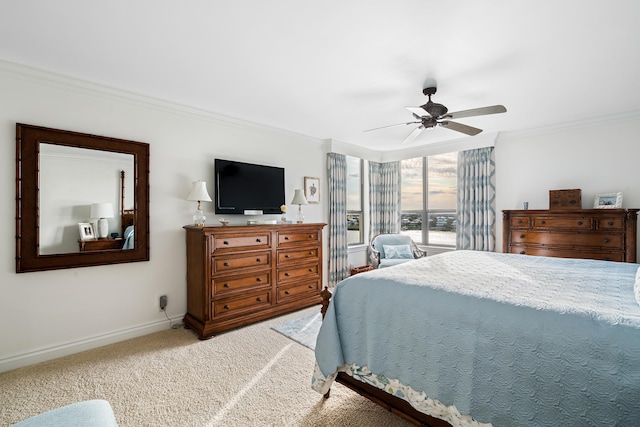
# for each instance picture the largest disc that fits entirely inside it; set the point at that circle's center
(298, 198)
(199, 192)
(102, 210)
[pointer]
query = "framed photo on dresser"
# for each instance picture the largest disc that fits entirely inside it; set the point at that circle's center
(608, 201)
(86, 231)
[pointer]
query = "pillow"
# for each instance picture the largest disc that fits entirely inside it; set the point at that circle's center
(397, 251)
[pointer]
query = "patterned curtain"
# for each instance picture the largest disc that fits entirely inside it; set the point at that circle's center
(476, 215)
(338, 259)
(384, 198)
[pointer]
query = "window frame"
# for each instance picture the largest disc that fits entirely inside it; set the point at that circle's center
(359, 212)
(426, 213)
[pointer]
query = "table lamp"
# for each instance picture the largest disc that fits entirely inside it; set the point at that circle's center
(199, 194)
(299, 199)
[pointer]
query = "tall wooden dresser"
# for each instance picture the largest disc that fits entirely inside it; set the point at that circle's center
(238, 275)
(603, 234)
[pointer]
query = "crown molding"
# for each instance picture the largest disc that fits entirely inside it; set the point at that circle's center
(605, 120)
(39, 76)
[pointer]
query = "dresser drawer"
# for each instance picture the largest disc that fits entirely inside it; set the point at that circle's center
(568, 253)
(297, 237)
(227, 264)
(569, 223)
(603, 240)
(285, 274)
(241, 241)
(610, 224)
(291, 255)
(297, 291)
(519, 222)
(232, 306)
(224, 285)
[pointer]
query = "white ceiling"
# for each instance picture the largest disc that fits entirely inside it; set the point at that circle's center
(333, 68)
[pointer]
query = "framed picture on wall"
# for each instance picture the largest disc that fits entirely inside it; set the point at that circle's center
(86, 231)
(312, 189)
(608, 201)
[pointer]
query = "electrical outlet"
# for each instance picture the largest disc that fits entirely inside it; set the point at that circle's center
(163, 302)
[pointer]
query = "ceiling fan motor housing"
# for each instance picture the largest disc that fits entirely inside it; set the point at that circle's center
(434, 109)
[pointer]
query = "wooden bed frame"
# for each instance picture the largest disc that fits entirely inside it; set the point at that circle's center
(380, 397)
(127, 215)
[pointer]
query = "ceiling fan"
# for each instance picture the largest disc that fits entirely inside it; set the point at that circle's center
(433, 114)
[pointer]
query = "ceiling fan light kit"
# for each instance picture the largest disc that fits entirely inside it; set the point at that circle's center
(433, 114)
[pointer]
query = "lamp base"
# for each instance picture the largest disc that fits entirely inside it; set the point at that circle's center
(103, 228)
(199, 218)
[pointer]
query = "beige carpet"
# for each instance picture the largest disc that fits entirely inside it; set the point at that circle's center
(253, 376)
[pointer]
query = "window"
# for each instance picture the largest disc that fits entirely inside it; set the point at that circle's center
(429, 187)
(354, 201)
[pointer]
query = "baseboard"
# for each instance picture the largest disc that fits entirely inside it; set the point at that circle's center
(72, 347)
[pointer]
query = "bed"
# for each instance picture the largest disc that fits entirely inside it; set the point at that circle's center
(478, 338)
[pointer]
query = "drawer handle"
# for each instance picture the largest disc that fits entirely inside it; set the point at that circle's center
(519, 221)
(258, 241)
(287, 292)
(311, 236)
(226, 285)
(259, 299)
(287, 256)
(226, 264)
(311, 270)
(286, 274)
(543, 222)
(311, 253)
(226, 307)
(606, 240)
(521, 252)
(310, 286)
(580, 222)
(610, 223)
(522, 236)
(286, 237)
(258, 259)
(225, 243)
(258, 279)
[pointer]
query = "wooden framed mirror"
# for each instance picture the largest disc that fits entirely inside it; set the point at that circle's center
(60, 175)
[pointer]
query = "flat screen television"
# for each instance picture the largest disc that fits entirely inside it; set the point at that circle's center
(248, 189)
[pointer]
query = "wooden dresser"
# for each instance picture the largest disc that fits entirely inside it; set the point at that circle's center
(238, 275)
(604, 234)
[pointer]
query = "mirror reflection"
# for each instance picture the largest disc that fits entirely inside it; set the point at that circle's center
(81, 189)
(78, 198)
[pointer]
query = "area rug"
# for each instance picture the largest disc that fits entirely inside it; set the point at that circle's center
(303, 330)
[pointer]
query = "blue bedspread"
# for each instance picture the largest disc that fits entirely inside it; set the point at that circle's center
(512, 340)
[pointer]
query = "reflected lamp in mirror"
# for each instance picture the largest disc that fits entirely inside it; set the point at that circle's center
(102, 211)
(299, 199)
(199, 194)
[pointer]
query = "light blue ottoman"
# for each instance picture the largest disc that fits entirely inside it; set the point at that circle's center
(90, 413)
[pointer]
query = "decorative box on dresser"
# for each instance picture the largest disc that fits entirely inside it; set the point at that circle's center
(238, 275)
(603, 234)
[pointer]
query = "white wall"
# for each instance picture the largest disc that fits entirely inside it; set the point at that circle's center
(48, 314)
(596, 157)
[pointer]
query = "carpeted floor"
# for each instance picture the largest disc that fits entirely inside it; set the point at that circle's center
(253, 376)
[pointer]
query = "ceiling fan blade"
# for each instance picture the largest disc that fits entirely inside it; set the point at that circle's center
(390, 126)
(417, 131)
(459, 127)
(418, 111)
(483, 111)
